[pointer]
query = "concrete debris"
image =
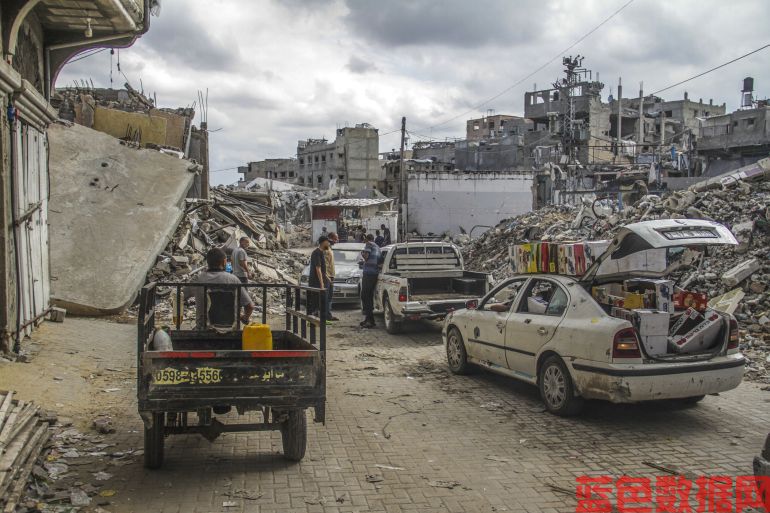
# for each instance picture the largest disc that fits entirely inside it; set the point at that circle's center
(100, 229)
(734, 277)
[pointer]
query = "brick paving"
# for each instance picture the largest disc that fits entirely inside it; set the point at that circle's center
(432, 441)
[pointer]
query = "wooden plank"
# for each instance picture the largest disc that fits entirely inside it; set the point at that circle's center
(6, 432)
(20, 482)
(29, 415)
(10, 460)
(5, 407)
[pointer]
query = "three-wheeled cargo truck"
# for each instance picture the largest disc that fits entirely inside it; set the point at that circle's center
(180, 389)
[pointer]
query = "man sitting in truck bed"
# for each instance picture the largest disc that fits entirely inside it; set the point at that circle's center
(220, 302)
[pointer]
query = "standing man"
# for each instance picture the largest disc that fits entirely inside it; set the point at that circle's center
(371, 257)
(329, 259)
(379, 239)
(386, 235)
(317, 278)
(240, 260)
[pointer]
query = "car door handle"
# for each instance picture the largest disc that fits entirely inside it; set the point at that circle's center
(542, 331)
(500, 325)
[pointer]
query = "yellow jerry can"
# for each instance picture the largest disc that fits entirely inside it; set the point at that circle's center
(257, 337)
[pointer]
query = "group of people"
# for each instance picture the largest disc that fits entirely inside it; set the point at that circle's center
(322, 277)
(358, 233)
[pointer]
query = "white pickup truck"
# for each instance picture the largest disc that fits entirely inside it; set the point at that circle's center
(424, 280)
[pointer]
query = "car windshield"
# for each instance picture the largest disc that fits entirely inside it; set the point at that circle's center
(346, 256)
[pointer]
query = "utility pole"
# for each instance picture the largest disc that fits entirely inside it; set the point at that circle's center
(205, 159)
(640, 139)
(620, 118)
(402, 189)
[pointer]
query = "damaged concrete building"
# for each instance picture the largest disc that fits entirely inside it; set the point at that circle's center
(37, 38)
(284, 170)
(351, 159)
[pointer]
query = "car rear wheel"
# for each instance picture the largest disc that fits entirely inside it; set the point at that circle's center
(294, 435)
(456, 356)
(391, 325)
(154, 441)
(556, 388)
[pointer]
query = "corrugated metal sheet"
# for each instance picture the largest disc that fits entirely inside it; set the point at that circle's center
(31, 203)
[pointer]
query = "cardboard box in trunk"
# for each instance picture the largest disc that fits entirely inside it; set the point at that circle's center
(662, 289)
(652, 326)
(700, 338)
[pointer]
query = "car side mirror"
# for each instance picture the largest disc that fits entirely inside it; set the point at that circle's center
(472, 304)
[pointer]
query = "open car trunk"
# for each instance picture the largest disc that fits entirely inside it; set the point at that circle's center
(629, 280)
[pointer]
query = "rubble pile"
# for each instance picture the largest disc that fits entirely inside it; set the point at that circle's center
(743, 205)
(221, 221)
(24, 432)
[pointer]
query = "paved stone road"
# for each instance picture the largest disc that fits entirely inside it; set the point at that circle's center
(431, 440)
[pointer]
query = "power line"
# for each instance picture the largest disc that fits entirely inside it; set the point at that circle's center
(86, 55)
(712, 69)
(560, 54)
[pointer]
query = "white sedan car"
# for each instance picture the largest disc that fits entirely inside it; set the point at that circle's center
(548, 329)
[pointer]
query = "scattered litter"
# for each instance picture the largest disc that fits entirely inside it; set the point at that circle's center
(229, 504)
(107, 493)
(102, 476)
(244, 494)
(79, 498)
(110, 390)
(374, 412)
(388, 467)
(373, 478)
(444, 484)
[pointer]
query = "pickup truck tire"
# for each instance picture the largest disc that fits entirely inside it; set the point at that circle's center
(154, 441)
(294, 435)
(392, 326)
(456, 355)
(557, 389)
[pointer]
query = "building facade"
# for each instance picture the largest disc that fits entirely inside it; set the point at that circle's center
(37, 37)
(284, 170)
(351, 159)
(494, 126)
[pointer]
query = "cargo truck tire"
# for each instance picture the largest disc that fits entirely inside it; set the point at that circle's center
(154, 441)
(294, 435)
(557, 389)
(391, 325)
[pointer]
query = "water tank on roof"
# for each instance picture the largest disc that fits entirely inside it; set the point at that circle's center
(748, 84)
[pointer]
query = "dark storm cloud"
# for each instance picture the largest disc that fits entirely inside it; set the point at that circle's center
(180, 39)
(454, 23)
(358, 65)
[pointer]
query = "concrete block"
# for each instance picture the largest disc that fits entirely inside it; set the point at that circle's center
(740, 272)
(57, 314)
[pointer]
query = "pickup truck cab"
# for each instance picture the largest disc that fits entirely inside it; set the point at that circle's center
(424, 280)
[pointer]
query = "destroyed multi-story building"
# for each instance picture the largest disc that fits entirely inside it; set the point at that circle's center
(351, 159)
(38, 38)
(495, 126)
(739, 135)
(392, 184)
(284, 170)
(132, 117)
(438, 151)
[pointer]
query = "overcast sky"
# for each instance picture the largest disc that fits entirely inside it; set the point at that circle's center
(281, 71)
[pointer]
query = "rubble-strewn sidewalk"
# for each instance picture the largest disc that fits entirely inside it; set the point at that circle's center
(743, 206)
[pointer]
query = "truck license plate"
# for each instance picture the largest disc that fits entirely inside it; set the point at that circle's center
(199, 376)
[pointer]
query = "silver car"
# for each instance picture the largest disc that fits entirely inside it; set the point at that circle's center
(347, 282)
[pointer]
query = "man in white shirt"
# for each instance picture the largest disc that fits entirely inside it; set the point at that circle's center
(240, 260)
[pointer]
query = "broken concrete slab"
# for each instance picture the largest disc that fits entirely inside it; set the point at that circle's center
(113, 209)
(740, 272)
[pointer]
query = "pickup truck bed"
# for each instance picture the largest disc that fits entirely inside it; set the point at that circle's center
(424, 280)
